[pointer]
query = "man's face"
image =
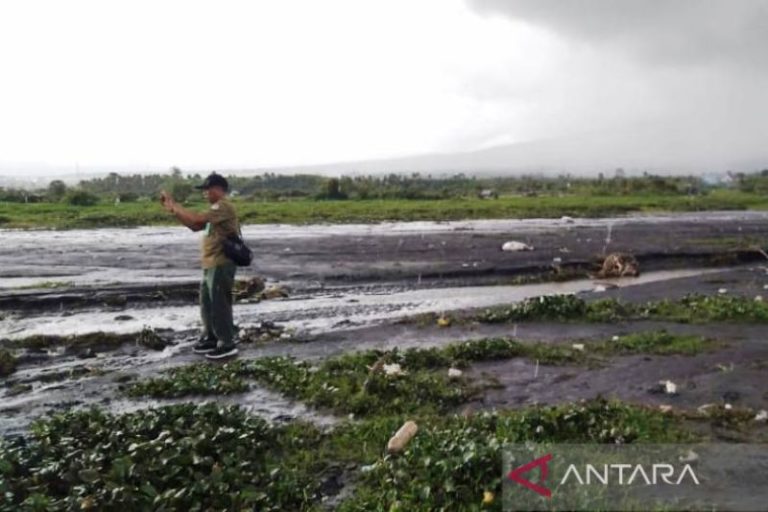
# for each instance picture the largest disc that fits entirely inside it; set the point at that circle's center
(213, 194)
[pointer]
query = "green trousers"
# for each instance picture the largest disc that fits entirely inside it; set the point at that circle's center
(216, 303)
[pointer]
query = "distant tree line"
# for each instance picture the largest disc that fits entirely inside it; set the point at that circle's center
(270, 187)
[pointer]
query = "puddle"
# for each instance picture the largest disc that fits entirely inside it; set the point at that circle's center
(318, 313)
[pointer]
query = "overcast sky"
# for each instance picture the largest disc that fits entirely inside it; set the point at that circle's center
(246, 84)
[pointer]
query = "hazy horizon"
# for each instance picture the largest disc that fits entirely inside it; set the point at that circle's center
(672, 86)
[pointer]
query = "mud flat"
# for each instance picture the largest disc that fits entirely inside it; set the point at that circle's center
(415, 294)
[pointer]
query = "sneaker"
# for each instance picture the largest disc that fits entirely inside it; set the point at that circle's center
(204, 346)
(222, 352)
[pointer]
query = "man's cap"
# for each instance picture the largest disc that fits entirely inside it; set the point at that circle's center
(214, 180)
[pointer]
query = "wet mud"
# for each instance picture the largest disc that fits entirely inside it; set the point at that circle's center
(350, 287)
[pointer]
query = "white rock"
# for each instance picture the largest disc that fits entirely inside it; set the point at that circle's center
(454, 373)
(513, 246)
(670, 387)
(762, 416)
(578, 346)
(392, 370)
(722, 291)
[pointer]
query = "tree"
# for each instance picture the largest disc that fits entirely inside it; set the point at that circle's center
(57, 189)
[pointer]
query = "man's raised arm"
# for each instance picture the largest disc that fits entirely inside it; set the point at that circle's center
(193, 220)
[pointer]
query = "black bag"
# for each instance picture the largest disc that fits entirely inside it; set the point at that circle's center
(236, 250)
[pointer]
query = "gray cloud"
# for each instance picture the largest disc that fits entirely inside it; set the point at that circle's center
(676, 32)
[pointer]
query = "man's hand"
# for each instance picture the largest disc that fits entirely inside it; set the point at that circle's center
(167, 201)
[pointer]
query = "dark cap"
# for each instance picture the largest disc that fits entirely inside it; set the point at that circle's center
(214, 180)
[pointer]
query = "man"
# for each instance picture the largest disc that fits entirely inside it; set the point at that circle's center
(219, 223)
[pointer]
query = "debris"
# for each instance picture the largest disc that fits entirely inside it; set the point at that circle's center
(762, 415)
(402, 437)
(722, 291)
(392, 370)
(665, 408)
(260, 332)
(487, 497)
(443, 321)
(513, 246)
(665, 386)
(691, 456)
(619, 265)
(454, 373)
(728, 407)
(249, 288)
(123, 318)
(567, 219)
(704, 409)
(274, 292)
(578, 346)
(759, 298)
(557, 260)
(599, 288)
(615, 338)
(150, 339)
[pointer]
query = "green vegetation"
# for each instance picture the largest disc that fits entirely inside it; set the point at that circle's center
(97, 340)
(188, 457)
(692, 308)
(657, 342)
(451, 464)
(359, 383)
(7, 363)
(128, 214)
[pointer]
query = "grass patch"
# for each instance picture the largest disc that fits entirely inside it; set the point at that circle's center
(205, 457)
(7, 363)
(65, 216)
(656, 342)
(563, 308)
(96, 340)
(359, 384)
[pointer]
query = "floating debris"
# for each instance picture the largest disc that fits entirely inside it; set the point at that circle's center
(722, 291)
(619, 265)
(454, 373)
(444, 321)
(665, 408)
(567, 219)
(514, 246)
(402, 437)
(578, 346)
(762, 415)
(615, 338)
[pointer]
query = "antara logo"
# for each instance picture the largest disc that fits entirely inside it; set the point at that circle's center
(606, 474)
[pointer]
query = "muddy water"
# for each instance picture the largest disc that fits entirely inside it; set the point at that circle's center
(317, 313)
(380, 267)
(394, 250)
